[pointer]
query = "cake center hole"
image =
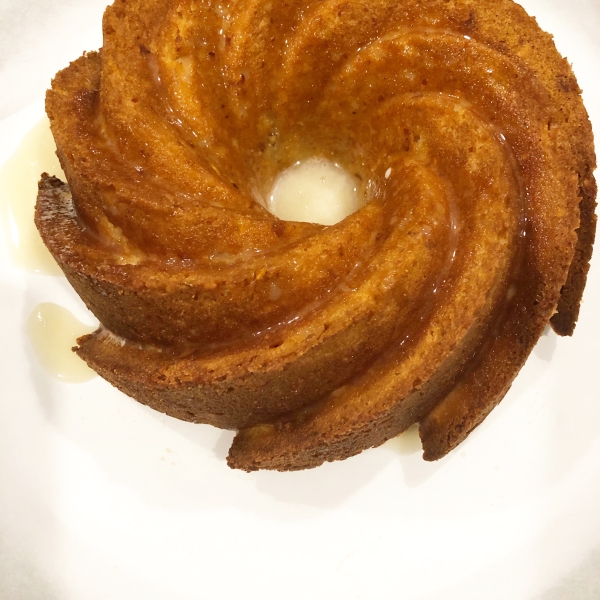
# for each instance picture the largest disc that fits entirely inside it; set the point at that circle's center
(314, 191)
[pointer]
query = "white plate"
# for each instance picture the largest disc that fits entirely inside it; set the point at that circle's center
(102, 498)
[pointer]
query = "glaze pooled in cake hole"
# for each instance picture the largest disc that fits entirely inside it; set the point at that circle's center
(314, 191)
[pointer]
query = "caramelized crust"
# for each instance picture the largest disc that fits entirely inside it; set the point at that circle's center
(474, 154)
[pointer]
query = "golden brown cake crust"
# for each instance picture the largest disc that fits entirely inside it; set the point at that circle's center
(467, 134)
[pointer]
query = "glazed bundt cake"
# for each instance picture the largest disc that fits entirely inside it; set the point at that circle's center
(473, 155)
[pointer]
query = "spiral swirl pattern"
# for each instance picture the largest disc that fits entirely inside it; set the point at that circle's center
(475, 156)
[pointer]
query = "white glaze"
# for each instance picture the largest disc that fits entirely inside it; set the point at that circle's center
(19, 177)
(314, 191)
(53, 331)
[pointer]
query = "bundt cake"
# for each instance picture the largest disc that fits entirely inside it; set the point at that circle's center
(474, 158)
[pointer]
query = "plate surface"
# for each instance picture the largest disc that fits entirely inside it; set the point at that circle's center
(103, 498)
